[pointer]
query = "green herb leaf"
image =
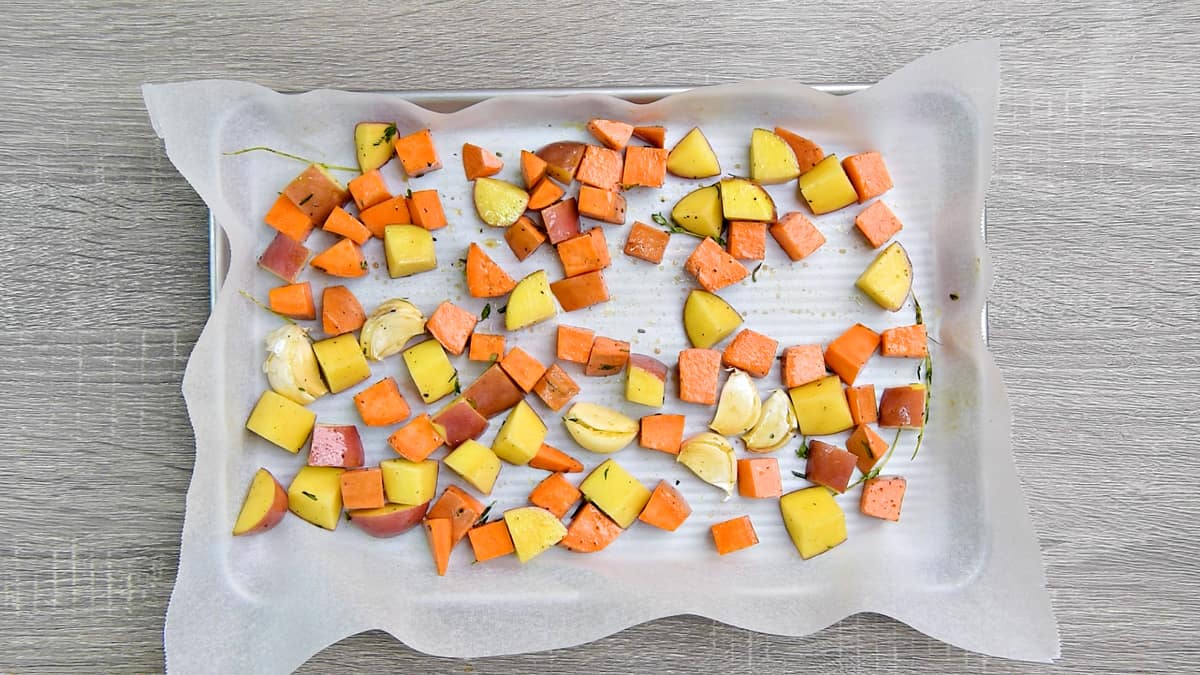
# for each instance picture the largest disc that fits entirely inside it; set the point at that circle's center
(298, 158)
(754, 274)
(802, 451)
(797, 474)
(606, 472)
(308, 494)
(920, 316)
(483, 516)
(503, 309)
(487, 311)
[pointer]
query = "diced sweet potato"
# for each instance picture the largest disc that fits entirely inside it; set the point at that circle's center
(699, 370)
(797, 236)
(752, 352)
(574, 344)
(877, 224)
(646, 243)
(713, 268)
(905, 341)
(579, 292)
(882, 497)
(868, 174)
(556, 388)
(802, 364)
(747, 240)
(607, 357)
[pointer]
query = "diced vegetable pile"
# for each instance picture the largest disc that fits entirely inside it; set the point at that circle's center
(733, 220)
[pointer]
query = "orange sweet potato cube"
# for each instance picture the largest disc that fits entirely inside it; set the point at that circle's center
(868, 174)
(752, 352)
(802, 364)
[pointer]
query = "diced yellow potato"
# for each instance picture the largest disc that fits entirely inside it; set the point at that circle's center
(341, 361)
(316, 495)
(498, 202)
(476, 463)
(281, 421)
(693, 157)
(408, 249)
(431, 370)
(771, 158)
(708, 319)
(373, 141)
(520, 436)
(742, 199)
(598, 428)
(888, 279)
(826, 187)
(646, 381)
(615, 492)
(264, 505)
(821, 407)
(533, 530)
(530, 302)
(699, 212)
(406, 482)
(813, 519)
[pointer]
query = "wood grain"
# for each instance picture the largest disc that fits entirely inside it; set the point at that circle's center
(1092, 226)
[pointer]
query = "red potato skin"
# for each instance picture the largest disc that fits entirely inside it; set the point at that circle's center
(493, 393)
(902, 408)
(830, 466)
(462, 423)
(390, 523)
(336, 445)
(561, 220)
(285, 258)
(279, 508)
(562, 158)
(649, 364)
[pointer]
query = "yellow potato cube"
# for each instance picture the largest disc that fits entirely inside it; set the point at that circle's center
(408, 249)
(821, 407)
(281, 421)
(615, 492)
(520, 436)
(431, 370)
(316, 495)
(826, 187)
(476, 463)
(645, 381)
(708, 319)
(699, 212)
(533, 530)
(771, 158)
(888, 279)
(746, 200)
(813, 519)
(342, 362)
(406, 482)
(693, 157)
(530, 302)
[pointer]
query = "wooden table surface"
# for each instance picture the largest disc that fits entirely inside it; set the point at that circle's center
(1093, 228)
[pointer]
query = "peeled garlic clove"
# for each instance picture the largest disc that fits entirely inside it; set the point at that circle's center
(738, 407)
(389, 327)
(710, 457)
(599, 429)
(291, 365)
(776, 424)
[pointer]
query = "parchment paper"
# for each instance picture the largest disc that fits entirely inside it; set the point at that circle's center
(962, 565)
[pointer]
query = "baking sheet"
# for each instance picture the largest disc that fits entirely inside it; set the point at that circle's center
(963, 564)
